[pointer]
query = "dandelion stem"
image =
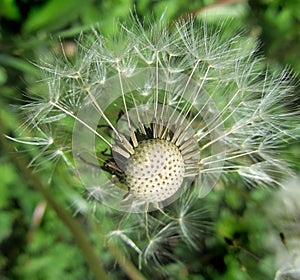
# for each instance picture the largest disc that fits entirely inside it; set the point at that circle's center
(127, 266)
(78, 234)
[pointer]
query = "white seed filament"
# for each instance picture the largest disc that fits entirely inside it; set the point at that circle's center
(155, 171)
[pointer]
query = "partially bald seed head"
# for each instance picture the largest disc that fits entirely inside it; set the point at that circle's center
(155, 171)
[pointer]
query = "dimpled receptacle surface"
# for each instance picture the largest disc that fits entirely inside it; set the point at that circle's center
(155, 172)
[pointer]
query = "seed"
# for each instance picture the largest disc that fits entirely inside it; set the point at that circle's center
(160, 179)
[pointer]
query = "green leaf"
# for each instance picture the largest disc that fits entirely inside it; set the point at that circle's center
(7, 178)
(3, 76)
(17, 63)
(54, 14)
(9, 10)
(6, 221)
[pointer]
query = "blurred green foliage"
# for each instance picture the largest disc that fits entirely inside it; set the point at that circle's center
(28, 28)
(278, 23)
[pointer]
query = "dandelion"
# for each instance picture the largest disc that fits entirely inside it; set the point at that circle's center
(285, 238)
(160, 116)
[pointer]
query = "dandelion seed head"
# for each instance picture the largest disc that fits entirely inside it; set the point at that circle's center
(204, 96)
(157, 116)
(155, 172)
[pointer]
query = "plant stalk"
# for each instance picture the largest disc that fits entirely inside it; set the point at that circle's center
(78, 234)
